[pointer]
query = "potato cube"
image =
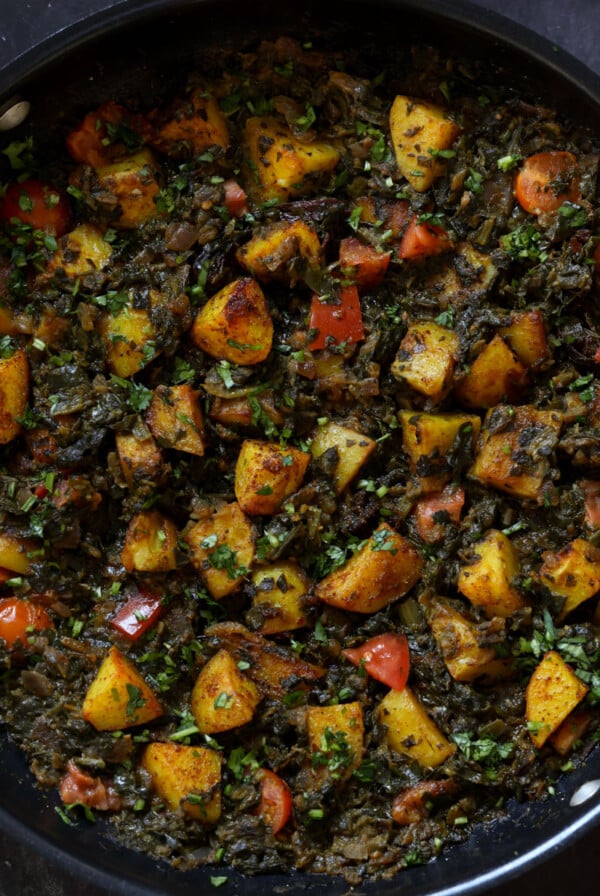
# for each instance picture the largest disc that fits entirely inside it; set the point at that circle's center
(241, 412)
(194, 125)
(134, 182)
(235, 324)
(186, 778)
(176, 420)
(552, 694)
(273, 251)
(383, 570)
(428, 439)
(14, 394)
(222, 549)
(487, 580)
(150, 543)
(222, 698)
(82, 251)
(572, 573)
(139, 458)
(16, 551)
(118, 697)
(508, 457)
(266, 474)
(284, 165)
(467, 274)
(411, 731)
(426, 359)
(526, 335)
(277, 597)
(419, 131)
(460, 642)
(353, 451)
(495, 375)
(335, 739)
(129, 340)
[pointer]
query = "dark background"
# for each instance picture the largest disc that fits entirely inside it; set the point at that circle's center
(571, 25)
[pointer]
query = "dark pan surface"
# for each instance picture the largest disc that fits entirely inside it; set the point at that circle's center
(147, 45)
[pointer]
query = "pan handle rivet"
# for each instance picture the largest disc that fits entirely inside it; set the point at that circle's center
(585, 792)
(13, 113)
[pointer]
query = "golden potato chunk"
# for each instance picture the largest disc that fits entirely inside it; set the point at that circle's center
(129, 340)
(552, 694)
(383, 570)
(222, 698)
(426, 359)
(16, 552)
(335, 739)
(186, 778)
(139, 458)
(274, 252)
(175, 419)
(572, 573)
(118, 697)
(134, 183)
(527, 337)
(411, 731)
(428, 440)
(14, 394)
(508, 457)
(284, 165)
(194, 125)
(266, 474)
(222, 549)
(420, 131)
(150, 543)
(81, 251)
(496, 375)
(353, 451)
(235, 324)
(487, 580)
(278, 590)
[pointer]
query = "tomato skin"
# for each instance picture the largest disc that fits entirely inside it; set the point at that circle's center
(362, 263)
(139, 614)
(38, 204)
(275, 807)
(422, 240)
(386, 659)
(235, 199)
(533, 183)
(17, 617)
(341, 322)
(450, 500)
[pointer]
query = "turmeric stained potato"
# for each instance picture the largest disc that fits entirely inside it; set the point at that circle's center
(266, 474)
(187, 778)
(235, 324)
(119, 697)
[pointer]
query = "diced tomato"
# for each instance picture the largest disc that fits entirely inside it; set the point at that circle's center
(449, 501)
(235, 199)
(362, 263)
(340, 322)
(396, 216)
(591, 497)
(546, 180)
(38, 204)
(19, 618)
(90, 142)
(385, 657)
(275, 806)
(40, 491)
(572, 729)
(76, 787)
(138, 615)
(420, 240)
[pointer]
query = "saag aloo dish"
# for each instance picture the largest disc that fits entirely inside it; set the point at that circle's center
(300, 464)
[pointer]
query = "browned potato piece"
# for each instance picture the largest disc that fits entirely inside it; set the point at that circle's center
(526, 335)
(572, 573)
(16, 552)
(81, 251)
(353, 448)
(134, 182)
(418, 131)
(426, 359)
(235, 324)
(118, 697)
(266, 474)
(504, 461)
(176, 420)
(222, 698)
(411, 731)
(195, 124)
(129, 340)
(386, 568)
(222, 549)
(487, 579)
(240, 411)
(278, 592)
(270, 253)
(335, 739)
(428, 438)
(552, 694)
(150, 543)
(139, 458)
(14, 394)
(186, 778)
(285, 166)
(496, 375)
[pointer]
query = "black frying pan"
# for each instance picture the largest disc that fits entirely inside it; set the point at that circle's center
(147, 45)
